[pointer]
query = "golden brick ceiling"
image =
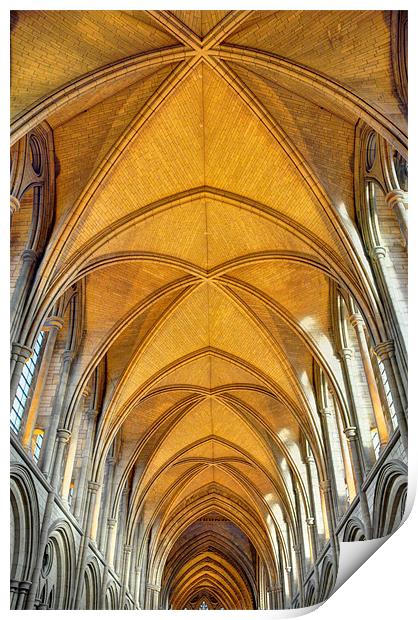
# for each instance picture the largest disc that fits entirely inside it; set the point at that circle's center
(205, 192)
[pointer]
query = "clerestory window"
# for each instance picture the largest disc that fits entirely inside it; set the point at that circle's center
(37, 439)
(23, 388)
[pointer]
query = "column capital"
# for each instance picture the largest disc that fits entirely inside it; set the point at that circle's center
(93, 486)
(67, 355)
(384, 350)
(20, 352)
(14, 584)
(325, 485)
(396, 195)
(378, 252)
(111, 523)
(356, 319)
(24, 586)
(63, 435)
(288, 569)
(346, 353)
(29, 256)
(127, 549)
(310, 521)
(111, 460)
(350, 432)
(53, 322)
(325, 411)
(91, 413)
(14, 204)
(153, 586)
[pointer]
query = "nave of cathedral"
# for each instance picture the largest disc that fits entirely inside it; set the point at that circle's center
(208, 303)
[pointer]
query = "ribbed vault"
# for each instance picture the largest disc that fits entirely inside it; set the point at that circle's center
(205, 204)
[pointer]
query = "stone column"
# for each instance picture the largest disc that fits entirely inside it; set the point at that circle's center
(24, 588)
(143, 586)
(52, 325)
(96, 512)
(136, 589)
(111, 540)
(385, 352)
(288, 570)
(51, 431)
(72, 450)
(84, 472)
(152, 596)
(298, 510)
(326, 490)
(325, 415)
(396, 200)
(63, 435)
(126, 563)
(346, 355)
(122, 525)
(348, 468)
(92, 490)
(357, 321)
(310, 464)
(14, 588)
(351, 434)
(289, 566)
(101, 541)
(312, 535)
(29, 260)
(276, 596)
(19, 357)
(298, 553)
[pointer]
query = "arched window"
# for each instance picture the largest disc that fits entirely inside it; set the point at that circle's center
(24, 385)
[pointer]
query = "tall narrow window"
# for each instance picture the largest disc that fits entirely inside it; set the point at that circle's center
(37, 439)
(388, 393)
(375, 441)
(71, 494)
(22, 392)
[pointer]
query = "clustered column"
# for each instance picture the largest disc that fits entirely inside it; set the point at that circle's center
(52, 325)
(396, 200)
(358, 324)
(19, 357)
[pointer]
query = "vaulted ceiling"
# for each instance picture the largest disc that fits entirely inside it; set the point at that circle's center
(205, 195)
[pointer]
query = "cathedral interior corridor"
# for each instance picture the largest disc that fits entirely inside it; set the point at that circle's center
(209, 230)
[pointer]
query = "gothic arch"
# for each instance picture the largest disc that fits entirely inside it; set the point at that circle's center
(59, 564)
(327, 580)
(111, 596)
(354, 530)
(24, 524)
(90, 595)
(310, 596)
(390, 498)
(228, 388)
